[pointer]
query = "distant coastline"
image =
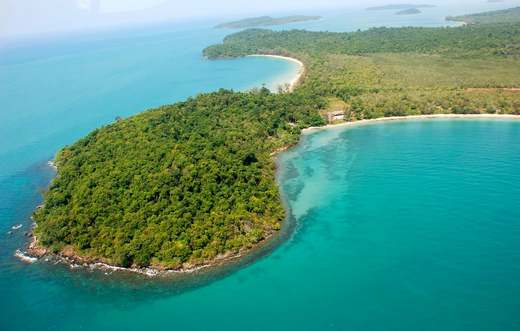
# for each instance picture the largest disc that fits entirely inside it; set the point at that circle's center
(263, 21)
(411, 11)
(510, 15)
(400, 7)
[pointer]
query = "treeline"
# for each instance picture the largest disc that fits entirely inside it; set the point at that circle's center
(481, 40)
(182, 183)
(376, 105)
(400, 71)
(499, 16)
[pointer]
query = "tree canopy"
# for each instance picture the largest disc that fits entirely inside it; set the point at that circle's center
(182, 183)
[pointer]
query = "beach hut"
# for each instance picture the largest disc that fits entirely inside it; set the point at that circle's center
(338, 115)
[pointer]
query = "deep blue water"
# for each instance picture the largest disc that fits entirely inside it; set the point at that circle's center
(402, 226)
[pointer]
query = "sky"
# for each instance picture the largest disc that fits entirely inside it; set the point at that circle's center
(19, 18)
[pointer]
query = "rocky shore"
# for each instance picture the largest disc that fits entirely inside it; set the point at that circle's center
(67, 256)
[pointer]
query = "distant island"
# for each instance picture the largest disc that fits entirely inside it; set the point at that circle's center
(265, 21)
(400, 7)
(411, 11)
(499, 16)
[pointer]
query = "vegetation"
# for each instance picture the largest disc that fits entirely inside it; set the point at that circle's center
(400, 7)
(400, 71)
(500, 16)
(181, 183)
(411, 11)
(188, 182)
(475, 41)
(266, 21)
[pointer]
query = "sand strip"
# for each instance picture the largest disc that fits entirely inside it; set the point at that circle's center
(299, 73)
(413, 117)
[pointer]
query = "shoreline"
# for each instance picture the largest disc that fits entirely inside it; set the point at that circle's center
(34, 252)
(293, 83)
(410, 117)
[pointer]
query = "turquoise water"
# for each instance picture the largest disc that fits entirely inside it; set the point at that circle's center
(57, 91)
(404, 226)
(400, 226)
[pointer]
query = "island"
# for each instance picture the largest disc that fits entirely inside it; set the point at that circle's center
(400, 7)
(193, 184)
(411, 11)
(266, 21)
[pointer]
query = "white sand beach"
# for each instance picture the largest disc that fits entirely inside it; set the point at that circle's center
(298, 74)
(413, 117)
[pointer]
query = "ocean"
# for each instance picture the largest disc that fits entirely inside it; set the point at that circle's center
(405, 226)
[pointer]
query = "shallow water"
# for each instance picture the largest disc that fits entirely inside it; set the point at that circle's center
(399, 225)
(409, 225)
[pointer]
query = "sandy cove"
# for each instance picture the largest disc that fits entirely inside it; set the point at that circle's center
(293, 83)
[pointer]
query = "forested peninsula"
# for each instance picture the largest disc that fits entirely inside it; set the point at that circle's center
(499, 16)
(190, 183)
(254, 22)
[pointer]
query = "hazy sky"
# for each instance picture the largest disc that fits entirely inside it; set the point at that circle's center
(35, 17)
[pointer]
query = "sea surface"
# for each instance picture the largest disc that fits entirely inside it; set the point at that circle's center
(397, 226)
